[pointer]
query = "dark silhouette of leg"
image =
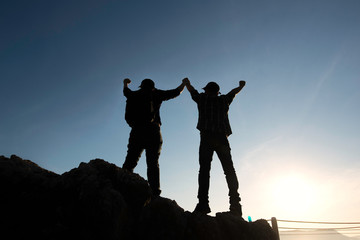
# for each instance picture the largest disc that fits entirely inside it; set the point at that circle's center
(153, 151)
(230, 175)
(223, 152)
(135, 149)
(205, 157)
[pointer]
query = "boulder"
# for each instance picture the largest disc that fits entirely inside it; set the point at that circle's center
(98, 200)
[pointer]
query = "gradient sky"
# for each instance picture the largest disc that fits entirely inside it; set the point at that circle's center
(296, 132)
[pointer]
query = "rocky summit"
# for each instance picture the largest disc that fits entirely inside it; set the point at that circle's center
(99, 200)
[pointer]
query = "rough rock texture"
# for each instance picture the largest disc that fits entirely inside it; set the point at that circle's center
(99, 200)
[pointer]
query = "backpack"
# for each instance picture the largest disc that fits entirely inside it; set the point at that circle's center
(139, 109)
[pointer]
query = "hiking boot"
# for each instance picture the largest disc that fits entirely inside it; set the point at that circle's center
(202, 208)
(235, 209)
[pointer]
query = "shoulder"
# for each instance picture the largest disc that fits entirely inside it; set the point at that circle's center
(130, 93)
(195, 95)
(127, 91)
(195, 92)
(170, 92)
(228, 97)
(158, 91)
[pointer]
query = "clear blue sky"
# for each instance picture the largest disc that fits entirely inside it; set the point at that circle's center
(297, 120)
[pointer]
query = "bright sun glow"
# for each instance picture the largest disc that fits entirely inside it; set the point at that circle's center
(294, 195)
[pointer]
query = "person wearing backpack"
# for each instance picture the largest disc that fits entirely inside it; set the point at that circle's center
(142, 113)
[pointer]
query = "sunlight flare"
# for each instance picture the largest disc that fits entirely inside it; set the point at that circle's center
(294, 194)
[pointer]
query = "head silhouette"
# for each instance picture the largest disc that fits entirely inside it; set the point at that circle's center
(212, 88)
(147, 84)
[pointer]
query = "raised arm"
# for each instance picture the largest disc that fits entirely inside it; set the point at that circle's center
(188, 85)
(181, 86)
(126, 89)
(126, 82)
(238, 89)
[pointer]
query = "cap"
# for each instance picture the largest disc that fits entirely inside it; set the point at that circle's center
(147, 84)
(212, 86)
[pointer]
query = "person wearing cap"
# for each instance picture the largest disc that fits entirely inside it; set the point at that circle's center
(142, 113)
(214, 126)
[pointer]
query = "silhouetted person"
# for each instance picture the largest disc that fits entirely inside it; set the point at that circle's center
(213, 124)
(143, 116)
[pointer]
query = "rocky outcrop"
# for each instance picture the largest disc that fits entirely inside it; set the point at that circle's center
(99, 200)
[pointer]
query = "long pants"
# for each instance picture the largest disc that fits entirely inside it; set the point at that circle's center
(146, 138)
(210, 143)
